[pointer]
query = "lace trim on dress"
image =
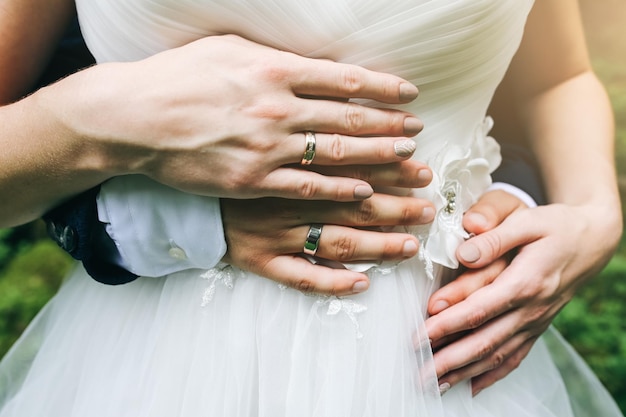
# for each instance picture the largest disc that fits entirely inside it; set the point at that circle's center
(225, 275)
(338, 305)
(460, 176)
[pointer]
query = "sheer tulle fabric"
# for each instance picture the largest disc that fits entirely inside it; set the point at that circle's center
(256, 349)
(227, 343)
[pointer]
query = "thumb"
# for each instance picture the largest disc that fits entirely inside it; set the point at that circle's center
(516, 230)
(490, 210)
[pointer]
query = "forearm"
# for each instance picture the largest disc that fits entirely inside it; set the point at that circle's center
(572, 133)
(43, 162)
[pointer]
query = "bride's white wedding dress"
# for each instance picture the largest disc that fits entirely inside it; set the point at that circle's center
(221, 342)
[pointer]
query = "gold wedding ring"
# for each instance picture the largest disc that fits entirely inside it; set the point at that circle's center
(312, 241)
(309, 148)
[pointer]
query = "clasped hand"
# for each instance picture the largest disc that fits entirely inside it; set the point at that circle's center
(524, 265)
(231, 116)
(232, 122)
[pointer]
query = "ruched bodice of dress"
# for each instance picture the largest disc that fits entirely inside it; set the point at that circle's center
(455, 51)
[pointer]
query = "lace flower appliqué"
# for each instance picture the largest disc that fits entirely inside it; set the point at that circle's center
(347, 306)
(222, 274)
(461, 175)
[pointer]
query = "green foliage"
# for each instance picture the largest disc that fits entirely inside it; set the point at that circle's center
(593, 323)
(5, 246)
(26, 284)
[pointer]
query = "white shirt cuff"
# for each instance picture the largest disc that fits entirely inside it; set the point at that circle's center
(159, 230)
(517, 192)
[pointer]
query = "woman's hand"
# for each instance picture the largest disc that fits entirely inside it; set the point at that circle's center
(224, 116)
(484, 323)
(266, 236)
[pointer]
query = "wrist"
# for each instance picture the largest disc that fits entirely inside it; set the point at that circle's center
(606, 223)
(62, 106)
(87, 108)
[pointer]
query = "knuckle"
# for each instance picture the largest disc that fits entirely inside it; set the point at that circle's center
(390, 88)
(496, 360)
(365, 213)
(307, 189)
(332, 291)
(485, 350)
(493, 243)
(337, 148)
(408, 215)
(538, 314)
(268, 69)
(269, 110)
(531, 290)
(239, 182)
(476, 318)
(304, 285)
(354, 118)
(444, 367)
(345, 248)
(515, 363)
(395, 121)
(351, 80)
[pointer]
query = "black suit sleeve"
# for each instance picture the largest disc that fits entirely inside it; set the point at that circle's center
(74, 224)
(519, 168)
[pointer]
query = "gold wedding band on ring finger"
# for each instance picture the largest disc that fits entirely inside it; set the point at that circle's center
(309, 148)
(312, 241)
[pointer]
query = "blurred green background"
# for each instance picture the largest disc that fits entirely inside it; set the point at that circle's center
(32, 267)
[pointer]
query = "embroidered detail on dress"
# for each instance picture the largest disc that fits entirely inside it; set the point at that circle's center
(385, 269)
(450, 196)
(350, 307)
(460, 176)
(424, 256)
(224, 274)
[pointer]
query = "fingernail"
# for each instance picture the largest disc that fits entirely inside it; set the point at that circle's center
(409, 249)
(439, 306)
(412, 126)
(405, 147)
(428, 215)
(408, 92)
(359, 287)
(477, 219)
(443, 388)
(362, 192)
(425, 176)
(469, 252)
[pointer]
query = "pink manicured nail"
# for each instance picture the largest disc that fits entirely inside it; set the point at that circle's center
(361, 192)
(428, 214)
(477, 220)
(408, 92)
(359, 287)
(439, 306)
(409, 249)
(469, 252)
(425, 175)
(412, 126)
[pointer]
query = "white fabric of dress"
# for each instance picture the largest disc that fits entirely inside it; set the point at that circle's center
(222, 342)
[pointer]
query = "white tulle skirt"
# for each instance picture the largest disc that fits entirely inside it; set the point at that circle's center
(233, 344)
